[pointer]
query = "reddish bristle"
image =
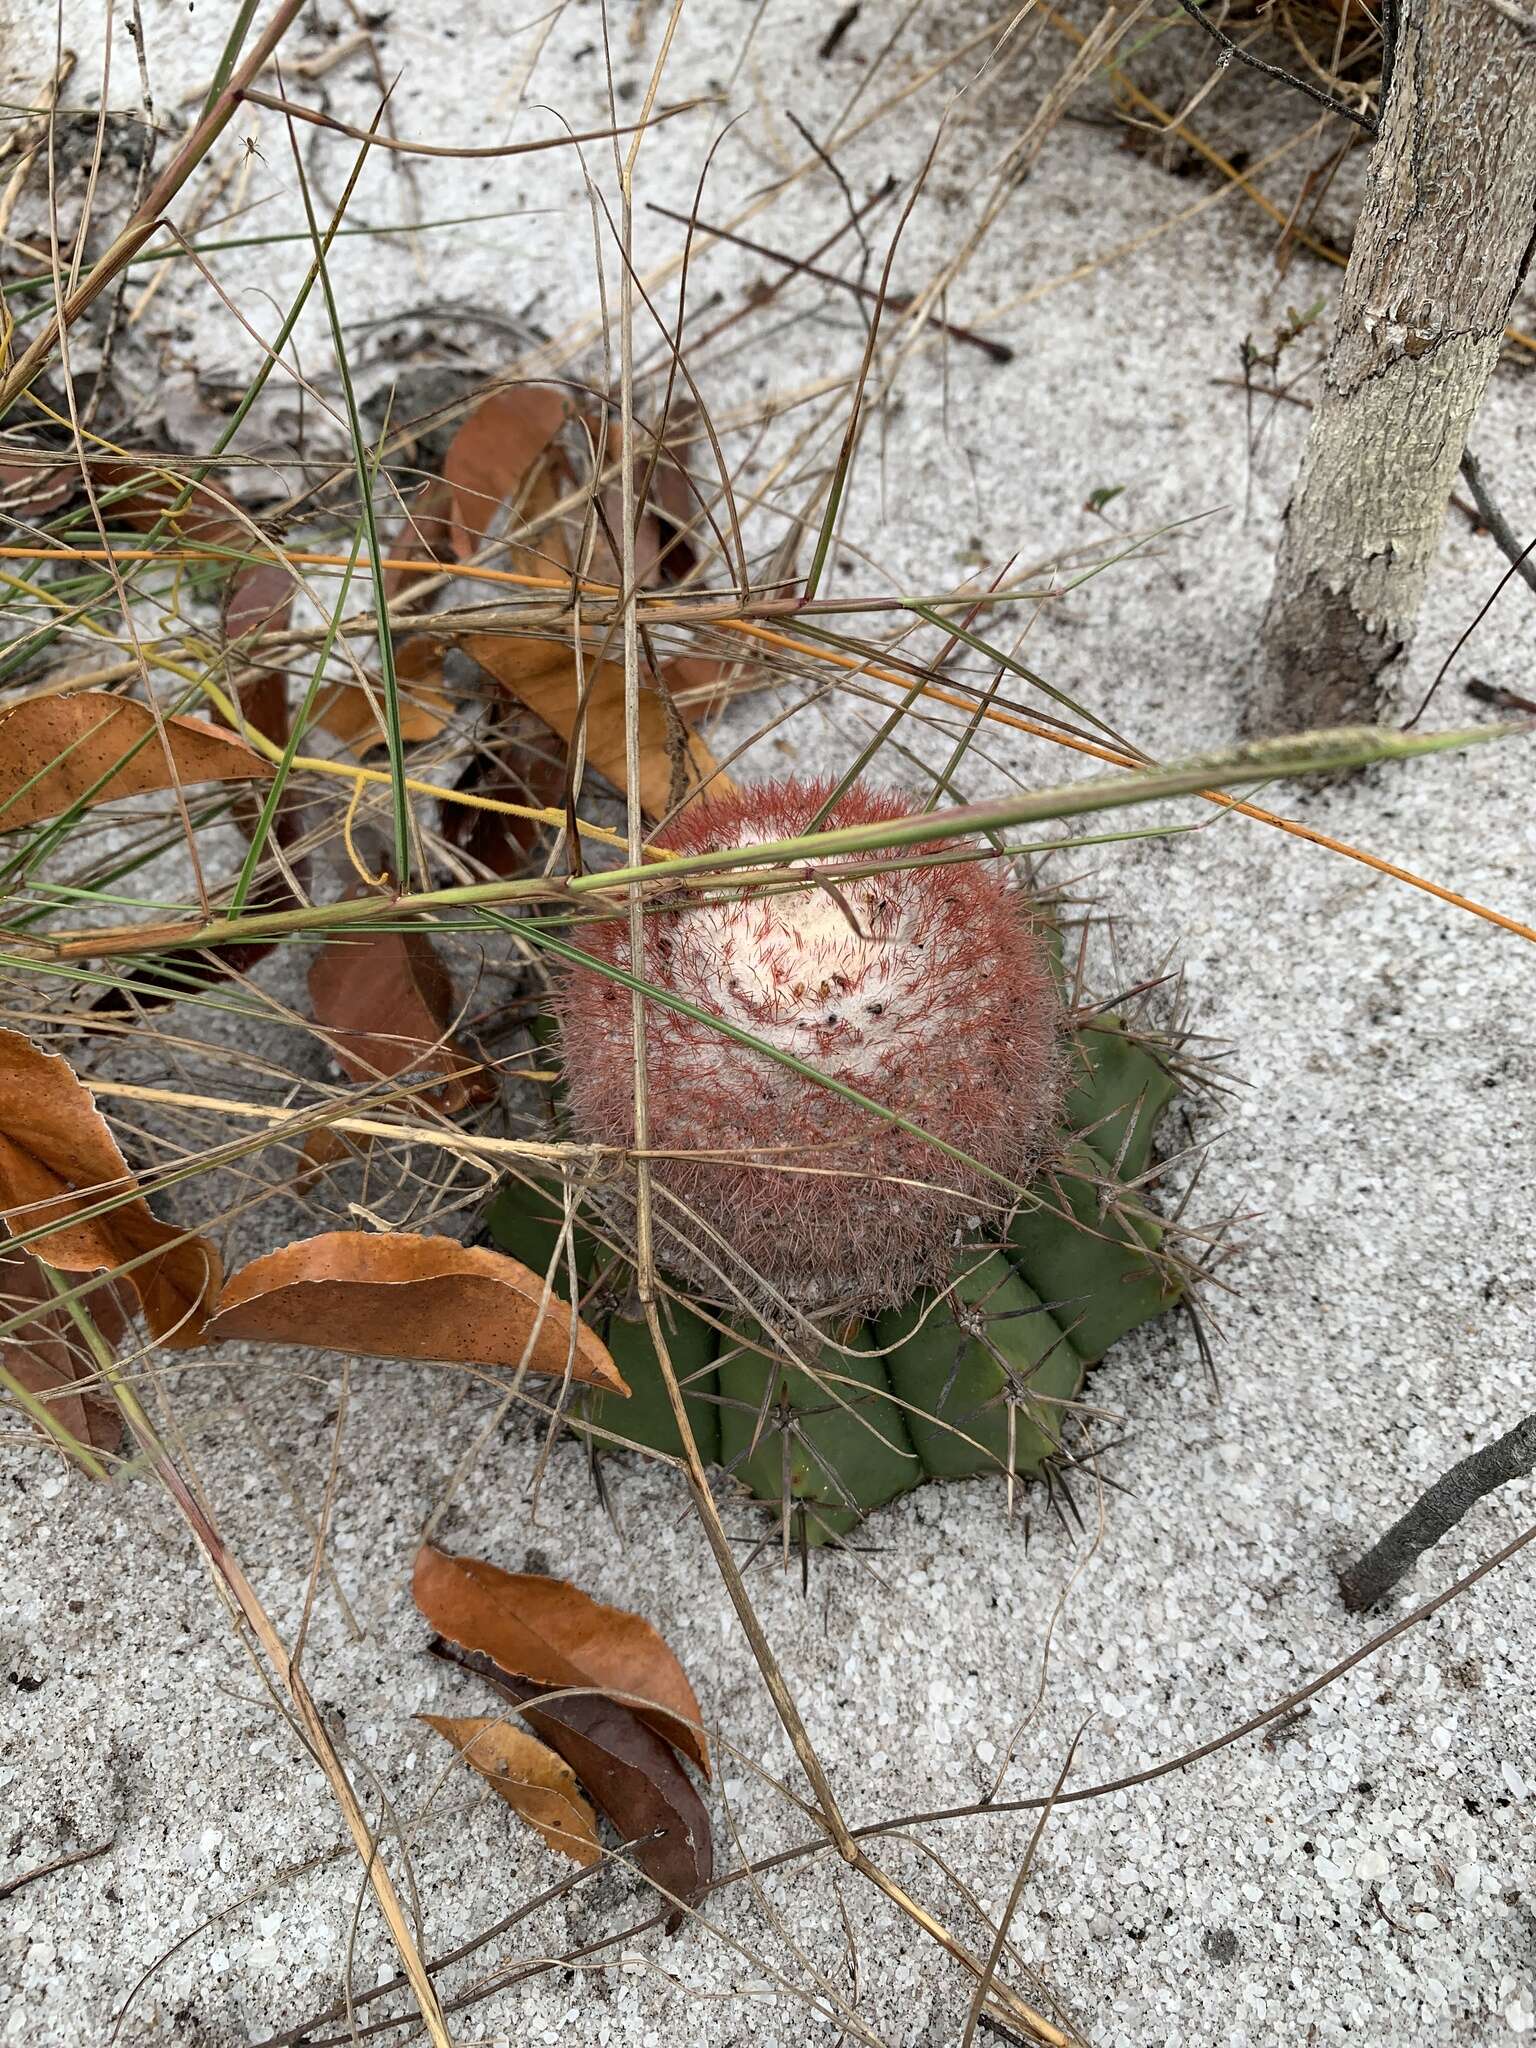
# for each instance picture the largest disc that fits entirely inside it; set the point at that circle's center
(925, 989)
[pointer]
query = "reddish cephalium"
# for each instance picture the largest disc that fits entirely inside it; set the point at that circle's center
(926, 989)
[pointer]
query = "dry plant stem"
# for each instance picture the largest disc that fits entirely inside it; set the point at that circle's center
(830, 656)
(1428, 290)
(146, 217)
(26, 1877)
(226, 1570)
(1436, 1512)
(1514, 552)
(294, 112)
(1258, 761)
(471, 1144)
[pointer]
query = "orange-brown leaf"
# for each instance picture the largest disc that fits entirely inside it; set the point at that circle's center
(57, 1158)
(344, 709)
(551, 1632)
(534, 1782)
(490, 459)
(53, 750)
(47, 1356)
(550, 693)
(404, 1296)
(385, 1000)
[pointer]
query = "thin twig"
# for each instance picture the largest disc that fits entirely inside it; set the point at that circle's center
(1232, 50)
(1494, 520)
(1436, 1512)
(15, 1884)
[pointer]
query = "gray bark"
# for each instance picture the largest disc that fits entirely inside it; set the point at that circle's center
(1444, 235)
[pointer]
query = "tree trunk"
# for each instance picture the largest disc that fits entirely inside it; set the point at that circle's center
(1442, 243)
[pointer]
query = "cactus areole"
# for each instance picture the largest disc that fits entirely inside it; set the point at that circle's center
(925, 984)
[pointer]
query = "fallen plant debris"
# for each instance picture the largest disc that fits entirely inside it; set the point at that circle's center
(48, 1359)
(410, 1297)
(510, 469)
(552, 1633)
(349, 714)
(65, 1186)
(385, 1003)
(530, 1777)
(622, 1703)
(58, 754)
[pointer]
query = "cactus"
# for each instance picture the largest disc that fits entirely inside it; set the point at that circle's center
(952, 1352)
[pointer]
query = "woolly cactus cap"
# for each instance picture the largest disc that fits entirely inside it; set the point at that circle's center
(927, 989)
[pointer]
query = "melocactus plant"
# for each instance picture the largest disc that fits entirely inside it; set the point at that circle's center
(849, 1312)
(921, 982)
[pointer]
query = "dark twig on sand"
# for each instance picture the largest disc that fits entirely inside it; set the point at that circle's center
(1231, 51)
(1436, 1512)
(1516, 553)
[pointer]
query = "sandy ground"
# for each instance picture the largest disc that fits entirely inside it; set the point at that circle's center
(1365, 1875)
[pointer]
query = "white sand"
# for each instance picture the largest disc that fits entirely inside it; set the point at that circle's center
(1368, 1878)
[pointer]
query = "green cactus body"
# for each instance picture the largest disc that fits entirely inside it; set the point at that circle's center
(830, 1439)
(646, 1418)
(934, 1390)
(525, 1219)
(963, 1359)
(1089, 1248)
(1119, 1093)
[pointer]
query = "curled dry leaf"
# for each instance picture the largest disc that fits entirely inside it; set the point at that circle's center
(530, 1777)
(59, 751)
(413, 1297)
(385, 1001)
(673, 759)
(510, 471)
(57, 1158)
(552, 1633)
(47, 1356)
(630, 1773)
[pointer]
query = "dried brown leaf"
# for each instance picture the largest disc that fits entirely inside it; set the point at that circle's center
(57, 1158)
(345, 712)
(258, 599)
(404, 1296)
(530, 1777)
(668, 750)
(31, 490)
(630, 1773)
(552, 1633)
(507, 471)
(385, 1000)
(53, 750)
(47, 1355)
(492, 457)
